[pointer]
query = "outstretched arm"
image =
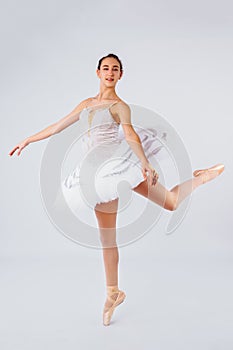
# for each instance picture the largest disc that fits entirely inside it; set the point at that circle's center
(52, 129)
(134, 141)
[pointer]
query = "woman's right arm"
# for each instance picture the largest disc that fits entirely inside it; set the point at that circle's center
(52, 129)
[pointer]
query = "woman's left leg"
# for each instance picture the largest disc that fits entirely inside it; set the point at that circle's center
(106, 214)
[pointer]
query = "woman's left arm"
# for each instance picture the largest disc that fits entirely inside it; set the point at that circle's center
(134, 140)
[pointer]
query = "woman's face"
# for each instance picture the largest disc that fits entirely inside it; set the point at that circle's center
(109, 72)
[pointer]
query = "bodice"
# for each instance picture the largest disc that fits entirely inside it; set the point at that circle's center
(100, 138)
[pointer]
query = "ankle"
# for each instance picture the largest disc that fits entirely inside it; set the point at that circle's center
(198, 180)
(112, 288)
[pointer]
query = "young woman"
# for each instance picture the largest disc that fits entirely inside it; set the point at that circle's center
(111, 111)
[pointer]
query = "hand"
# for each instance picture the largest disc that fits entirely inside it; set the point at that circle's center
(20, 146)
(153, 175)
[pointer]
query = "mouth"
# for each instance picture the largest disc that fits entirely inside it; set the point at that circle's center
(110, 79)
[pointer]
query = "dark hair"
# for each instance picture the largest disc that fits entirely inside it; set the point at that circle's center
(113, 56)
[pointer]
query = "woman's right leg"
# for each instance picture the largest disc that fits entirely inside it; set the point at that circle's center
(171, 199)
(168, 199)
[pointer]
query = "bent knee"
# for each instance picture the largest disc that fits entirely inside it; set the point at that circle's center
(171, 204)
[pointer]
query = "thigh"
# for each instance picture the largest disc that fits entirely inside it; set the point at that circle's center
(106, 213)
(157, 194)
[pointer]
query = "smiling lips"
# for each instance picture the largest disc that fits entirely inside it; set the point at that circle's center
(109, 79)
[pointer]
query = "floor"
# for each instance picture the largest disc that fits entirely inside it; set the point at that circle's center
(56, 303)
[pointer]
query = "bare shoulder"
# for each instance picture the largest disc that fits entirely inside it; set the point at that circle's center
(81, 105)
(84, 103)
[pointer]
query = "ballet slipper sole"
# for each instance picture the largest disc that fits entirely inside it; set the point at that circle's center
(107, 315)
(218, 167)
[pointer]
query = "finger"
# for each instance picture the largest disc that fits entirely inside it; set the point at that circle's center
(152, 176)
(151, 179)
(156, 178)
(143, 173)
(154, 181)
(14, 149)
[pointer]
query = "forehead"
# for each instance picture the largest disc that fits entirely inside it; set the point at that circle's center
(110, 61)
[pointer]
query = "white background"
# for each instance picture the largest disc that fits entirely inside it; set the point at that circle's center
(177, 59)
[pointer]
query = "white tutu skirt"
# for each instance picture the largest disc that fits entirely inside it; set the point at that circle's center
(98, 185)
(97, 177)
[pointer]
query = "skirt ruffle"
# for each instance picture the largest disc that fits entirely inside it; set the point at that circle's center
(88, 185)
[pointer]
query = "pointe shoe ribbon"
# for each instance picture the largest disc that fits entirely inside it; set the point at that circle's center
(107, 315)
(208, 174)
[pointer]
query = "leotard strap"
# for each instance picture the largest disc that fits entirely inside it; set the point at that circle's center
(103, 105)
(113, 103)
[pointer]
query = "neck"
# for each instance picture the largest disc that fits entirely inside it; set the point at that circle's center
(106, 94)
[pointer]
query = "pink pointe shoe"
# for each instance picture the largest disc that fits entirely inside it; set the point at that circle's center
(107, 313)
(209, 173)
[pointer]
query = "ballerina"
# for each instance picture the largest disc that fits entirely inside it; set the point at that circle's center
(146, 184)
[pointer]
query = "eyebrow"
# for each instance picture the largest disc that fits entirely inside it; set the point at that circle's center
(106, 65)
